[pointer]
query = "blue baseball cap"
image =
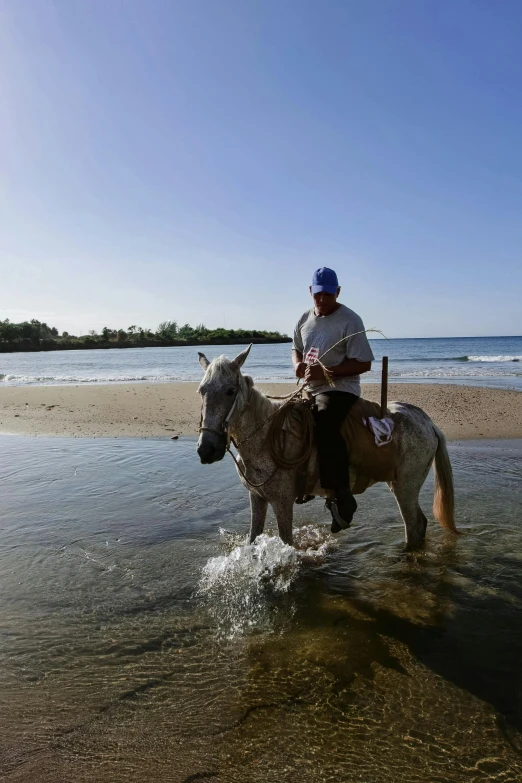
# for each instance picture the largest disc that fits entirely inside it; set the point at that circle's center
(324, 279)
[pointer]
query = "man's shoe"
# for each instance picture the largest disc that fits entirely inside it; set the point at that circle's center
(342, 508)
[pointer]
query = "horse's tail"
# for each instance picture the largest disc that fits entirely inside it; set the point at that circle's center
(444, 499)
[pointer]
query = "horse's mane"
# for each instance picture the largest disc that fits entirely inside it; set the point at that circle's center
(259, 404)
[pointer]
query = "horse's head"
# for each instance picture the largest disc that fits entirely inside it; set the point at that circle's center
(220, 389)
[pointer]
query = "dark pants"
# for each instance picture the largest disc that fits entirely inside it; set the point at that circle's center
(330, 410)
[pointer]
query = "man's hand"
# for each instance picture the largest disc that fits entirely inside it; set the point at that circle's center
(300, 369)
(314, 372)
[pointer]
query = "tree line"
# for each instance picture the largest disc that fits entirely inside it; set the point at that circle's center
(38, 336)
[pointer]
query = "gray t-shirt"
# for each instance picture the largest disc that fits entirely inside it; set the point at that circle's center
(315, 334)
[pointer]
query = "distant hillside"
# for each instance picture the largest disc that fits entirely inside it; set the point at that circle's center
(36, 336)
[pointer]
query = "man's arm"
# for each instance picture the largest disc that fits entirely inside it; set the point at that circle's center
(350, 367)
(299, 365)
(346, 369)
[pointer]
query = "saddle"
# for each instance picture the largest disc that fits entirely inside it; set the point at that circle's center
(369, 463)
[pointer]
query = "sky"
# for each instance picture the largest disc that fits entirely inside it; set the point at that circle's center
(196, 161)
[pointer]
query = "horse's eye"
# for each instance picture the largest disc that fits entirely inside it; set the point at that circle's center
(230, 392)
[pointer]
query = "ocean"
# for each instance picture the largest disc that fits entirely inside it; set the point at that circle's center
(483, 361)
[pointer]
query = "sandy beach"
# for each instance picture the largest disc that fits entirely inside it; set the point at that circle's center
(170, 409)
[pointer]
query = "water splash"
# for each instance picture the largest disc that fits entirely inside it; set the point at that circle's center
(245, 587)
(313, 543)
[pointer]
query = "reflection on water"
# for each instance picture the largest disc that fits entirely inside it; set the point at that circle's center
(138, 642)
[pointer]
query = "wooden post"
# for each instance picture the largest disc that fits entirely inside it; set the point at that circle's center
(384, 387)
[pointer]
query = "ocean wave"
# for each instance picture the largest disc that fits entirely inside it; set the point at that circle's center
(24, 380)
(489, 358)
(449, 372)
(495, 358)
(427, 359)
(58, 380)
(430, 359)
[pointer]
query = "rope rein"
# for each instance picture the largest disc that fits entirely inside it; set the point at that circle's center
(240, 469)
(277, 440)
(296, 395)
(277, 434)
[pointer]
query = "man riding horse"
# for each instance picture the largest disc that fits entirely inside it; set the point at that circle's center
(330, 323)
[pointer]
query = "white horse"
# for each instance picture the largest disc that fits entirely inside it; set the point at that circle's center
(232, 408)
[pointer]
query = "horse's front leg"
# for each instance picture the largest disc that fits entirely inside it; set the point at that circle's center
(284, 511)
(258, 508)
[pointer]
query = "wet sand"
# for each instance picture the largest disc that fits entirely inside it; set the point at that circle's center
(170, 409)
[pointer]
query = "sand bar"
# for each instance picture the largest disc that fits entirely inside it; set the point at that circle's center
(170, 409)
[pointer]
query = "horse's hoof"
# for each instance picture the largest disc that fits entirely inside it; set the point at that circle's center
(335, 527)
(304, 499)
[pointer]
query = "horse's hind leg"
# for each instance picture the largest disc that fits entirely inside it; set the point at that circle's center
(406, 489)
(422, 518)
(407, 498)
(258, 509)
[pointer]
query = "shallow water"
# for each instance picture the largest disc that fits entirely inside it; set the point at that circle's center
(141, 639)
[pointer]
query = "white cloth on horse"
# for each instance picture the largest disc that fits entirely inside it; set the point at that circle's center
(382, 429)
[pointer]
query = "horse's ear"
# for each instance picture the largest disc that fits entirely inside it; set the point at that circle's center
(203, 360)
(240, 359)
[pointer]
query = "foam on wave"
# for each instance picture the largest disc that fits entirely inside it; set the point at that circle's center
(24, 380)
(495, 358)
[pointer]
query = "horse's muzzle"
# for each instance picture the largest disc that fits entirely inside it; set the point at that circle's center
(209, 451)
